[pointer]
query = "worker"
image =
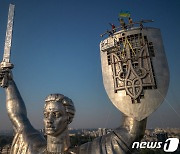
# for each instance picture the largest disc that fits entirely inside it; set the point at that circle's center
(122, 23)
(113, 27)
(130, 22)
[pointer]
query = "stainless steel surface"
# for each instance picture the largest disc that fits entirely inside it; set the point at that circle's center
(7, 46)
(135, 71)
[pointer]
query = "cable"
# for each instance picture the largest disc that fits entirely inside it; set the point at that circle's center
(169, 104)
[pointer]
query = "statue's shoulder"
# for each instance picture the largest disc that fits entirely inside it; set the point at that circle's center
(28, 141)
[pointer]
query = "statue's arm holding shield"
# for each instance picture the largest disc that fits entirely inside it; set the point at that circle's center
(119, 141)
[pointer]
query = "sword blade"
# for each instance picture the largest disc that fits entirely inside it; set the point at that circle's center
(7, 46)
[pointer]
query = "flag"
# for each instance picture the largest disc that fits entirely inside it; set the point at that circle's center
(124, 14)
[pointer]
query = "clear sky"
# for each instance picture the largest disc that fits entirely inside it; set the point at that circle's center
(55, 49)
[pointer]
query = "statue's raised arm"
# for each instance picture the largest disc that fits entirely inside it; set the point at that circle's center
(15, 105)
(27, 139)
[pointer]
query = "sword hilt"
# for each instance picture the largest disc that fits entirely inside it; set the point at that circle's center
(6, 65)
(5, 73)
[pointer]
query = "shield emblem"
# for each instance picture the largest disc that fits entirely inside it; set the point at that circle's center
(135, 71)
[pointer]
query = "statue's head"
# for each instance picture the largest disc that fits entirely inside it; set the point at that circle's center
(59, 111)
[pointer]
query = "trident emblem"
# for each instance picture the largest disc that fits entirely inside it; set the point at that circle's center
(132, 62)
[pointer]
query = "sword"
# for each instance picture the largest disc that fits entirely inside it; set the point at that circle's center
(7, 47)
(6, 65)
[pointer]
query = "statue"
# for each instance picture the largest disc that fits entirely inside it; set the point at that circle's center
(59, 112)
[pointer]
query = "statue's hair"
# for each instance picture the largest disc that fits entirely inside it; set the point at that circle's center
(66, 102)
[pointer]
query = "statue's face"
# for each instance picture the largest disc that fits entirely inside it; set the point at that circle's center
(55, 118)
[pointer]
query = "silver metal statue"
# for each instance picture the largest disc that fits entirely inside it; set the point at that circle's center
(59, 112)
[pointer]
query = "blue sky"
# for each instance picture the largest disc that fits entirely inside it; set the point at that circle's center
(55, 49)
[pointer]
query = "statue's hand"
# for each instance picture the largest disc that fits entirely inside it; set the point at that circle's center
(5, 76)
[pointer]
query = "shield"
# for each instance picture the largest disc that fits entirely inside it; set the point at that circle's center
(135, 70)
